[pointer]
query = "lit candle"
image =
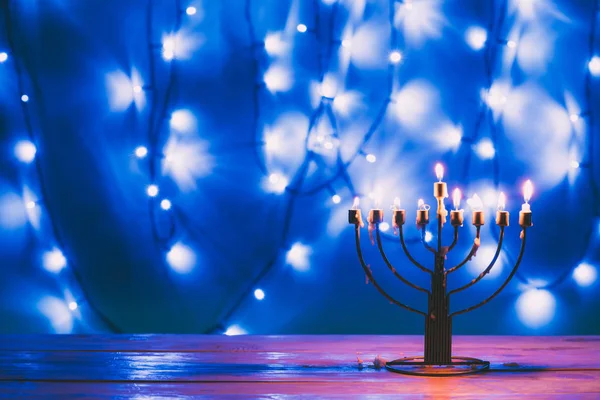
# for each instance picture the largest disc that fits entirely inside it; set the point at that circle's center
(525, 214)
(354, 216)
(399, 215)
(501, 215)
(456, 215)
(477, 207)
(422, 213)
(376, 214)
(440, 190)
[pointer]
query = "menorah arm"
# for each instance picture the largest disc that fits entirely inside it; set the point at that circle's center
(401, 234)
(485, 271)
(372, 280)
(455, 240)
(471, 253)
(391, 267)
(423, 233)
(512, 273)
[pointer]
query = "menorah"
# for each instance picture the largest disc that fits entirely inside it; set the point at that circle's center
(438, 359)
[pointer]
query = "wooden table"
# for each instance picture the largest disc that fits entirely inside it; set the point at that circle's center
(154, 366)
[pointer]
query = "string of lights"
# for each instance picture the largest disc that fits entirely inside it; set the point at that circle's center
(55, 260)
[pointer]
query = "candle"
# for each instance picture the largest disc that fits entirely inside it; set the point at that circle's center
(375, 214)
(501, 215)
(422, 213)
(354, 216)
(399, 215)
(456, 215)
(525, 214)
(477, 207)
(440, 190)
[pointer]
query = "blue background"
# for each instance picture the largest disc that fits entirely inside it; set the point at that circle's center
(232, 231)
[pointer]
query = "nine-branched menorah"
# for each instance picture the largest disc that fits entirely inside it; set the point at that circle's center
(438, 318)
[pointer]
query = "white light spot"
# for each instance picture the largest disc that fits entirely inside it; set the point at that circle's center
(152, 190)
(511, 44)
(336, 198)
(57, 311)
(371, 158)
(585, 274)
(278, 78)
(450, 137)
(536, 307)
(275, 45)
(73, 306)
(298, 256)
(137, 89)
(259, 294)
(489, 197)
(574, 117)
(328, 87)
(165, 204)
(3, 57)
(277, 182)
(235, 330)
(574, 164)
(183, 121)
(347, 43)
(428, 236)
(141, 151)
(191, 10)
(485, 149)
(301, 28)
(168, 48)
(24, 98)
(30, 205)
(476, 37)
(395, 57)
(594, 66)
(482, 260)
(25, 151)
(54, 260)
(181, 258)
(384, 226)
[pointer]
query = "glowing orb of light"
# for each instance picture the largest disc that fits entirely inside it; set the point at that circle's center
(485, 149)
(24, 98)
(301, 28)
(275, 45)
(181, 258)
(54, 260)
(428, 236)
(141, 151)
(585, 274)
(536, 307)
(73, 306)
(276, 183)
(25, 151)
(371, 158)
(191, 10)
(336, 198)
(278, 78)
(183, 121)
(57, 312)
(259, 294)
(395, 57)
(152, 190)
(3, 57)
(384, 226)
(298, 256)
(235, 330)
(482, 260)
(449, 137)
(165, 204)
(594, 66)
(476, 37)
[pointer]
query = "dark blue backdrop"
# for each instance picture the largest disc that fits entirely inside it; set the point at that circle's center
(258, 120)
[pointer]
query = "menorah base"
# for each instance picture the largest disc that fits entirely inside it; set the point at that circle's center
(417, 366)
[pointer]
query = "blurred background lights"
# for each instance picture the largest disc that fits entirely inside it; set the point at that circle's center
(3, 57)
(574, 117)
(54, 260)
(191, 10)
(278, 78)
(511, 44)
(259, 294)
(24, 98)
(428, 236)
(168, 49)
(73, 306)
(30, 205)
(152, 190)
(137, 89)
(183, 121)
(235, 330)
(298, 256)
(594, 66)
(585, 274)
(276, 183)
(181, 258)
(301, 28)
(58, 314)
(384, 226)
(482, 260)
(485, 149)
(25, 151)
(275, 45)
(449, 137)
(165, 204)
(336, 198)
(476, 37)
(536, 308)
(371, 158)
(395, 57)
(141, 151)
(347, 43)
(574, 164)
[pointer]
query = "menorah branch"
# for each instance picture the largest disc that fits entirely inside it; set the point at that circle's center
(512, 273)
(455, 240)
(410, 257)
(391, 267)
(372, 280)
(471, 253)
(485, 271)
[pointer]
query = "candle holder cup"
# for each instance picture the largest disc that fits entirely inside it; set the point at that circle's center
(438, 359)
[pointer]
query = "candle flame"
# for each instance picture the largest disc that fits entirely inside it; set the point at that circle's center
(527, 190)
(396, 203)
(356, 203)
(421, 204)
(439, 171)
(501, 201)
(456, 196)
(475, 203)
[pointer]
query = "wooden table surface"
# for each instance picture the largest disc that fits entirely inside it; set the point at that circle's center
(175, 366)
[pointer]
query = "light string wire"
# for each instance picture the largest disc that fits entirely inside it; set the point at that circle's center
(324, 108)
(10, 6)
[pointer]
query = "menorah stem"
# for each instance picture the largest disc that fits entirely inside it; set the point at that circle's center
(438, 325)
